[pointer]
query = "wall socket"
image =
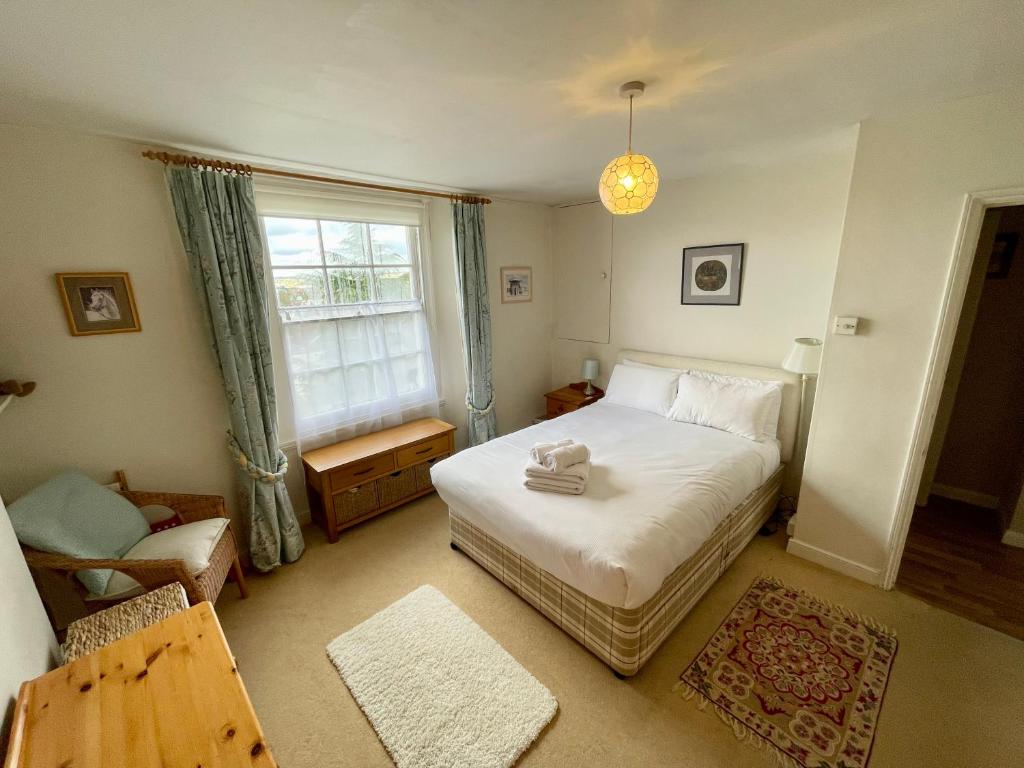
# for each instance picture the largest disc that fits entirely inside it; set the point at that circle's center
(846, 326)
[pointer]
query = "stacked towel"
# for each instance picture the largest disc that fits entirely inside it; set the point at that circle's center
(561, 467)
(540, 450)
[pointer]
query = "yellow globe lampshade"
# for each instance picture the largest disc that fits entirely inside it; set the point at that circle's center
(628, 184)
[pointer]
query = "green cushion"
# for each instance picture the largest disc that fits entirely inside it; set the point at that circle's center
(75, 516)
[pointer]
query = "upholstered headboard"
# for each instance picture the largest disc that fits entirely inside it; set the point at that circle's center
(790, 389)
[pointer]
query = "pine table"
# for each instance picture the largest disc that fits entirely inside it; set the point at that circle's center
(167, 696)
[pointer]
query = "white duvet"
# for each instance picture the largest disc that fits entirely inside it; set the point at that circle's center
(657, 489)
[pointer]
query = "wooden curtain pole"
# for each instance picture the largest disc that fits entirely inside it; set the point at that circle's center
(248, 170)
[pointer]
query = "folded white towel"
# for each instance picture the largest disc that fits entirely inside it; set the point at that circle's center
(540, 450)
(578, 472)
(554, 486)
(560, 459)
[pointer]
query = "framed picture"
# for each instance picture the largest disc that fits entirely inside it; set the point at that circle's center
(712, 274)
(98, 302)
(1003, 249)
(516, 284)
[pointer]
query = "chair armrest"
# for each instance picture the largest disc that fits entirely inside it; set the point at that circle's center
(189, 507)
(149, 573)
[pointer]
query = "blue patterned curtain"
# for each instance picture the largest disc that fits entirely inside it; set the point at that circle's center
(220, 230)
(471, 278)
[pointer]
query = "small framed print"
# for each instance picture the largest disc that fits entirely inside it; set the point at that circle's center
(516, 284)
(98, 302)
(713, 274)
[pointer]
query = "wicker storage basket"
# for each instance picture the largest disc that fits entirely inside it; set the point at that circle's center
(396, 486)
(423, 472)
(355, 502)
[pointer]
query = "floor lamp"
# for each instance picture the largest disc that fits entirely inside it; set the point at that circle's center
(804, 358)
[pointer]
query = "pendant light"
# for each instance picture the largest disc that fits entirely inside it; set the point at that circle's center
(629, 182)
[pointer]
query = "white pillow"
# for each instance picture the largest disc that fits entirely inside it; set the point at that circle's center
(771, 424)
(646, 388)
(193, 542)
(724, 402)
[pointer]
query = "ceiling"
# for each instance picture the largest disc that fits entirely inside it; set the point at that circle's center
(516, 99)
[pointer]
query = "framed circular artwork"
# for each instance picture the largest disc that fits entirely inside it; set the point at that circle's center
(712, 274)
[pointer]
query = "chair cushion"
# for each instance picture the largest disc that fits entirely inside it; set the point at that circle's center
(73, 515)
(192, 542)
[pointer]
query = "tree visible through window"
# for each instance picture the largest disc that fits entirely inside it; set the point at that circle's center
(321, 263)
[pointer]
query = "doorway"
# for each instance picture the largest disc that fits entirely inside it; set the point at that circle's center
(965, 547)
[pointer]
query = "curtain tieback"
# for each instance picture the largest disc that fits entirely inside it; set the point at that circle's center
(251, 469)
(479, 411)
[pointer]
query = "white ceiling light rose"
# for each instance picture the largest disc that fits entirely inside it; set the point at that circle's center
(630, 181)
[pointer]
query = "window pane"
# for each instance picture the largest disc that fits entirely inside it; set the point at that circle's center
(319, 393)
(343, 243)
(409, 373)
(393, 283)
(300, 287)
(390, 243)
(356, 334)
(314, 346)
(292, 241)
(349, 286)
(366, 383)
(402, 333)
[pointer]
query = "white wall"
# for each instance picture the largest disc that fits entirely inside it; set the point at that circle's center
(910, 178)
(152, 402)
(790, 217)
(517, 235)
(27, 645)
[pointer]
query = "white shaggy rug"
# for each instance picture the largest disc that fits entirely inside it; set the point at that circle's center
(439, 691)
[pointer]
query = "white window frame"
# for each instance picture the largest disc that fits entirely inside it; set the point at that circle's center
(415, 264)
(422, 278)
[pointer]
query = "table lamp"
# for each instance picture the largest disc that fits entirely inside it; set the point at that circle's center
(591, 367)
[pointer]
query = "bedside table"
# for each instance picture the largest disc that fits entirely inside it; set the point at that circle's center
(570, 398)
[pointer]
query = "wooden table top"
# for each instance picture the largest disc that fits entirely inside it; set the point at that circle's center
(364, 446)
(168, 696)
(571, 394)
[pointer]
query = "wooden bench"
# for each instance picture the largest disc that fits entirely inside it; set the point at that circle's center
(354, 480)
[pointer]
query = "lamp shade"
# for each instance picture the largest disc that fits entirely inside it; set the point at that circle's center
(628, 184)
(804, 357)
(591, 368)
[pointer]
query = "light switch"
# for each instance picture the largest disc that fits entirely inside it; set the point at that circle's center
(847, 326)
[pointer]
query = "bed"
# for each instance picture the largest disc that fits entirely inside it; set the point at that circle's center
(667, 508)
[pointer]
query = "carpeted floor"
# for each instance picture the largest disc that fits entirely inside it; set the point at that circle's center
(955, 697)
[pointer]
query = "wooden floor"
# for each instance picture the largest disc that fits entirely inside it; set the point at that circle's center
(954, 559)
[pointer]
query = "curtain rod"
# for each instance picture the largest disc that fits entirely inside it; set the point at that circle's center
(248, 170)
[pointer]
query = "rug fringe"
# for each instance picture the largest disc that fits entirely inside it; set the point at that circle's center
(841, 610)
(740, 731)
(688, 693)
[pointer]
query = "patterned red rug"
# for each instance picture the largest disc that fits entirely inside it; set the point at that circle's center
(795, 675)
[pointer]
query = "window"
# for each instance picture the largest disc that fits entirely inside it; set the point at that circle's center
(349, 295)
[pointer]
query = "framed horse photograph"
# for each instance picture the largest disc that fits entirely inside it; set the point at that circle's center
(98, 302)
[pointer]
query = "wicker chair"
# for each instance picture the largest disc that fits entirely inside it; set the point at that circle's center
(151, 574)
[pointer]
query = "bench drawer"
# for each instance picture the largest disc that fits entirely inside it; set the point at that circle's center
(423, 472)
(361, 471)
(414, 454)
(396, 486)
(355, 503)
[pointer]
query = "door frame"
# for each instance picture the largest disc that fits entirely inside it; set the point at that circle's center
(975, 205)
